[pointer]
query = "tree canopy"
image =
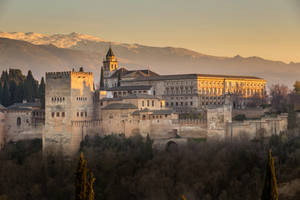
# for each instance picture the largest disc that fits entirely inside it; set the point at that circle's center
(16, 87)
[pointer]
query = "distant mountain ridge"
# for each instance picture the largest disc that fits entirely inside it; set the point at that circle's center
(43, 52)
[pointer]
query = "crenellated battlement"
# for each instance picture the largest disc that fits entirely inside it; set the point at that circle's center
(56, 75)
(66, 74)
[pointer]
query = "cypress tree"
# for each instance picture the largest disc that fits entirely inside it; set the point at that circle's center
(19, 93)
(102, 78)
(183, 197)
(80, 181)
(4, 76)
(42, 92)
(30, 87)
(6, 95)
(270, 190)
(12, 91)
(148, 148)
(90, 187)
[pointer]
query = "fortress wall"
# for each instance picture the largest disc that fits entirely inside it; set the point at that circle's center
(251, 129)
(24, 129)
(250, 113)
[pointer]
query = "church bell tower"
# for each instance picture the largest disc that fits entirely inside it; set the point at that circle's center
(110, 64)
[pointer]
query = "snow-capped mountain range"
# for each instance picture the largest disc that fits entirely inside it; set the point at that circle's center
(57, 52)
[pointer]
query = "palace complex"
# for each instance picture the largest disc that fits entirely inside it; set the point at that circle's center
(136, 102)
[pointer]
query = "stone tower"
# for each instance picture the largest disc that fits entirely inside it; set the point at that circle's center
(68, 108)
(110, 64)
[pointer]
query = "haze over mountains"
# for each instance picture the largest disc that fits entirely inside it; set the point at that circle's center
(58, 52)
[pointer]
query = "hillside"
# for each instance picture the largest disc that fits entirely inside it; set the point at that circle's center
(42, 52)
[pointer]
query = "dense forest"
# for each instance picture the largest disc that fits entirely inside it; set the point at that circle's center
(16, 87)
(129, 168)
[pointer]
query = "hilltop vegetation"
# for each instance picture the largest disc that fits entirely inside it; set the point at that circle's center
(128, 168)
(16, 87)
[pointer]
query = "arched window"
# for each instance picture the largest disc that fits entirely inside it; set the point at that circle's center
(19, 121)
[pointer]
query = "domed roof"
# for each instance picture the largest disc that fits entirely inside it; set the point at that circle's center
(110, 53)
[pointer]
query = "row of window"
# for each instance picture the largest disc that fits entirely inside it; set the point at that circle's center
(81, 114)
(59, 99)
(148, 103)
(124, 93)
(179, 104)
(36, 114)
(178, 98)
(81, 98)
(58, 114)
(62, 114)
(180, 83)
(212, 97)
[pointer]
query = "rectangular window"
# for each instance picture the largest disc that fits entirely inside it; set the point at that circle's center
(85, 114)
(77, 114)
(152, 103)
(52, 114)
(63, 114)
(81, 114)
(148, 103)
(143, 104)
(57, 114)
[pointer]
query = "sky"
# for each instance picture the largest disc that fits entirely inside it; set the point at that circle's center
(264, 28)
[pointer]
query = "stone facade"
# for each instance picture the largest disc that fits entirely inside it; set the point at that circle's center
(69, 100)
(185, 91)
(250, 129)
(23, 121)
(134, 102)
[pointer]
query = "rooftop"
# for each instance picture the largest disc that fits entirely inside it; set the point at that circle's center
(132, 96)
(133, 73)
(24, 106)
(129, 88)
(192, 76)
(154, 112)
(118, 106)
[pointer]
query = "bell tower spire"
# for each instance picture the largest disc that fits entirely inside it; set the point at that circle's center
(110, 64)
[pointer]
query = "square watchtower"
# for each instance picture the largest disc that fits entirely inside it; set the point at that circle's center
(68, 98)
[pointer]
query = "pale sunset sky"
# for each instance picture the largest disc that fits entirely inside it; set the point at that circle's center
(265, 28)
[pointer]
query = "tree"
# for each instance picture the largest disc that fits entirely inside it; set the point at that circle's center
(30, 87)
(297, 87)
(80, 181)
(42, 92)
(270, 190)
(6, 95)
(84, 188)
(183, 197)
(102, 78)
(279, 97)
(292, 118)
(90, 187)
